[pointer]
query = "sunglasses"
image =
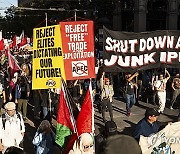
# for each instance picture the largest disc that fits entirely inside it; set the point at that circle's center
(88, 146)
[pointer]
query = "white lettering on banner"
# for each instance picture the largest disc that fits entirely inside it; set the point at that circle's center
(149, 58)
(149, 44)
(171, 55)
(77, 55)
(125, 62)
(109, 47)
(77, 46)
(160, 42)
(130, 61)
(178, 44)
(140, 60)
(76, 28)
(163, 57)
(76, 37)
(124, 46)
(137, 61)
(133, 43)
(170, 42)
(142, 45)
(112, 61)
(79, 68)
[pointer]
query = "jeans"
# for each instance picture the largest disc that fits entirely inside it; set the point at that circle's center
(130, 101)
(46, 110)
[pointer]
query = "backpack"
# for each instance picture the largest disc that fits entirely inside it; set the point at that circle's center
(4, 120)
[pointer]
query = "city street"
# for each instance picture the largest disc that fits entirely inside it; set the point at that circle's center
(125, 124)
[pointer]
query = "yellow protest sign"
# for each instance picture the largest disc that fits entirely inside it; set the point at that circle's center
(48, 65)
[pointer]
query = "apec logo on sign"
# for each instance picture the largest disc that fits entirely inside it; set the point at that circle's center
(79, 68)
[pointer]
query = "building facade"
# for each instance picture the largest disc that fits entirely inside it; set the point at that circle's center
(125, 15)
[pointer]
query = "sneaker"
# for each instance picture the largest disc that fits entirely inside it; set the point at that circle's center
(161, 112)
(128, 114)
(25, 118)
(37, 117)
(171, 108)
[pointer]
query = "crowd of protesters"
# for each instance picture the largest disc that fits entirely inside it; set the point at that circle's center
(157, 86)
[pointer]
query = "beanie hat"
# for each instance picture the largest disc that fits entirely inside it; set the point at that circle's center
(121, 144)
(10, 106)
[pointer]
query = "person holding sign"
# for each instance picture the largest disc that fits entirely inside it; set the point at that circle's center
(160, 86)
(130, 91)
(148, 125)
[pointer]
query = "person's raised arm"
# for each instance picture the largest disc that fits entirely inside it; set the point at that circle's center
(168, 75)
(172, 85)
(134, 75)
(102, 80)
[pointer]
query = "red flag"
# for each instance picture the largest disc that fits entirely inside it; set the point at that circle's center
(65, 119)
(13, 44)
(13, 62)
(85, 121)
(20, 38)
(2, 44)
(23, 42)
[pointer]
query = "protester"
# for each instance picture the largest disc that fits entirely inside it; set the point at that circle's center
(73, 87)
(2, 95)
(130, 91)
(14, 150)
(106, 98)
(24, 70)
(37, 103)
(100, 139)
(121, 144)
(84, 144)
(160, 86)
(153, 81)
(12, 127)
(12, 85)
(44, 94)
(22, 92)
(44, 138)
(176, 89)
(148, 125)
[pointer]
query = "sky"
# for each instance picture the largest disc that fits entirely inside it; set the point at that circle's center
(6, 3)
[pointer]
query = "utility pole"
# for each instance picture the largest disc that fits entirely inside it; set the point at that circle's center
(46, 19)
(75, 14)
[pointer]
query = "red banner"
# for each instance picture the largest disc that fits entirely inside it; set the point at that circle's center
(78, 49)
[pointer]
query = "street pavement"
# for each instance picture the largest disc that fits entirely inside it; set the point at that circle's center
(125, 124)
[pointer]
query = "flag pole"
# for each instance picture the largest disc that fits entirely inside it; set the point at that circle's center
(136, 88)
(75, 14)
(50, 102)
